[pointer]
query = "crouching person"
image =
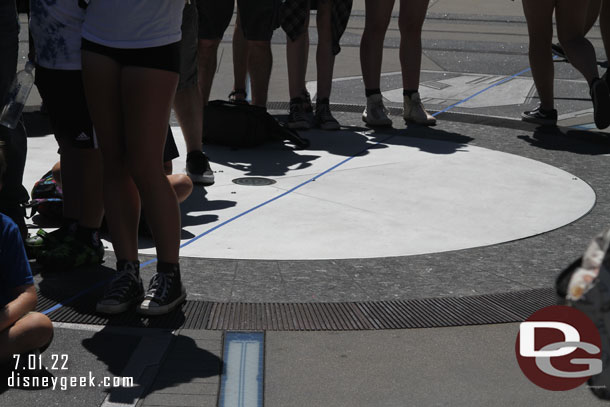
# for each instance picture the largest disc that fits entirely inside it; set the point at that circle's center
(21, 329)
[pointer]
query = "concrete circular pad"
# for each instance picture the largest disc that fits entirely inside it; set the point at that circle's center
(403, 196)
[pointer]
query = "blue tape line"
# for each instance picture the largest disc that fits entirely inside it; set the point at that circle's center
(69, 300)
(483, 90)
(207, 232)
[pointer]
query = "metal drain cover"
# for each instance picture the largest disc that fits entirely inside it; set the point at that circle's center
(254, 181)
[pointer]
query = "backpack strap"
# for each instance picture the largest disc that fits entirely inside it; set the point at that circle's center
(283, 132)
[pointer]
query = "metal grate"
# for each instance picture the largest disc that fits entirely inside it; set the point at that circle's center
(349, 316)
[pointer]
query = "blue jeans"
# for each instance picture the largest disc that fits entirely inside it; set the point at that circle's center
(12, 193)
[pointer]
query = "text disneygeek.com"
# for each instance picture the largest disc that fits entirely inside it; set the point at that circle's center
(30, 372)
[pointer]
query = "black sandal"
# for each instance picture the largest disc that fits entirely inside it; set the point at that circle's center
(234, 99)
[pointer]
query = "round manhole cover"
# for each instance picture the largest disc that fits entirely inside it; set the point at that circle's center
(253, 181)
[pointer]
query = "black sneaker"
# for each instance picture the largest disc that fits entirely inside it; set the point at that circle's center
(297, 117)
(324, 117)
(600, 95)
(539, 116)
(198, 168)
(165, 293)
(125, 289)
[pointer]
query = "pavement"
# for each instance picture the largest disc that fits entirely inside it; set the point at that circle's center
(376, 268)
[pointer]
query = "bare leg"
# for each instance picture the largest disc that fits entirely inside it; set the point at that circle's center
(592, 14)
(571, 32)
(240, 57)
(539, 16)
(102, 79)
(325, 59)
(260, 62)
(31, 332)
(207, 63)
(189, 112)
(378, 14)
(146, 96)
(410, 22)
(181, 184)
(297, 54)
(604, 22)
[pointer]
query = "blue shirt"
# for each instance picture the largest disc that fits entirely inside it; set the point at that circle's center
(14, 266)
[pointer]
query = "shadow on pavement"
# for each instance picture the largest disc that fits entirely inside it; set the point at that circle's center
(570, 140)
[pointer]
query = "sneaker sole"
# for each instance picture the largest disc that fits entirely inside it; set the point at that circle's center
(424, 123)
(541, 122)
(118, 308)
(372, 123)
(200, 179)
(330, 127)
(299, 125)
(162, 309)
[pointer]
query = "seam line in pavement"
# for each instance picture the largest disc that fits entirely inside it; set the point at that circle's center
(207, 232)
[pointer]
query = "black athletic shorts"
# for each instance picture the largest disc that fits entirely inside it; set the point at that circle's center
(166, 57)
(64, 97)
(214, 18)
(259, 18)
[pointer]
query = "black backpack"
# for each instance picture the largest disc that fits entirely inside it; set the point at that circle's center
(240, 125)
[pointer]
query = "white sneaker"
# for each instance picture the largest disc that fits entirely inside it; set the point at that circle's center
(376, 113)
(414, 111)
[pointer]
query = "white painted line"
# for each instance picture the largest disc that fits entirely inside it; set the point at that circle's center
(142, 367)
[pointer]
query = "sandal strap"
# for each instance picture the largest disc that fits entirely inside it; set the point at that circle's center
(236, 92)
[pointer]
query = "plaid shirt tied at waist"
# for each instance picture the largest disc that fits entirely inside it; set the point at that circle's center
(293, 14)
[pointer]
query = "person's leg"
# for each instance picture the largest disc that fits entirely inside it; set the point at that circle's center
(146, 96)
(410, 22)
(604, 23)
(378, 14)
(592, 13)
(208, 60)
(257, 21)
(377, 19)
(181, 184)
(325, 59)
(260, 61)
(240, 60)
(81, 175)
(15, 141)
(297, 53)
(325, 62)
(188, 107)
(188, 104)
(570, 18)
(30, 333)
(539, 16)
(102, 80)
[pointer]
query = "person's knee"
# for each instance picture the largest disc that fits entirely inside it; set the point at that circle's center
(410, 27)
(207, 47)
(37, 330)
(182, 185)
(259, 47)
